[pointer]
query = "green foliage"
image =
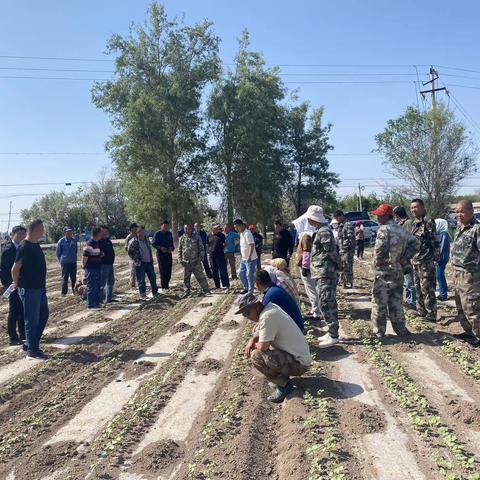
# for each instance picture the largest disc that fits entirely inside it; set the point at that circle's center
(307, 145)
(100, 203)
(247, 123)
(154, 102)
(430, 152)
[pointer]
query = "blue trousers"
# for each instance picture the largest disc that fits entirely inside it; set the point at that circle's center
(107, 281)
(441, 280)
(146, 268)
(246, 273)
(35, 309)
(94, 286)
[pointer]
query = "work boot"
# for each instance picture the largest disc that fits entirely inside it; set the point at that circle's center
(280, 393)
(469, 338)
(327, 341)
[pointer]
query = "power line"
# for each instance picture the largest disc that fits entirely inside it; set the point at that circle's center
(52, 153)
(41, 184)
(22, 57)
(76, 70)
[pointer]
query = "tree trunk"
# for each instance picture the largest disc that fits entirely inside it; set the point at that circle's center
(229, 188)
(298, 206)
(174, 224)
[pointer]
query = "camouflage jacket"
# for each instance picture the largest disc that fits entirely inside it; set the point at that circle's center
(394, 247)
(346, 238)
(325, 258)
(425, 231)
(465, 253)
(191, 249)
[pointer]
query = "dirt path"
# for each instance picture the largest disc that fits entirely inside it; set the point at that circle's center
(163, 390)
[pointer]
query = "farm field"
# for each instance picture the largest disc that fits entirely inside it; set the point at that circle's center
(161, 389)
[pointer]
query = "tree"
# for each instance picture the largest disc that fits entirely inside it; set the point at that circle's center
(369, 202)
(162, 68)
(307, 146)
(430, 152)
(100, 203)
(247, 123)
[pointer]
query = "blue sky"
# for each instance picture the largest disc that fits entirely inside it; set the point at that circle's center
(41, 116)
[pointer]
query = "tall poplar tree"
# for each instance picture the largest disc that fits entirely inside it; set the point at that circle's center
(154, 101)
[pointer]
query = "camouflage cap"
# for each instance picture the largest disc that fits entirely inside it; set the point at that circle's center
(246, 302)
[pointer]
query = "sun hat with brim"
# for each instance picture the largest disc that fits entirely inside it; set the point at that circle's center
(383, 209)
(246, 302)
(315, 213)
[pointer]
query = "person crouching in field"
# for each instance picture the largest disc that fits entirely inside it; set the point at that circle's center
(278, 348)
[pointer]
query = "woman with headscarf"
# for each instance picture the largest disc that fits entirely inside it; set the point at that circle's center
(444, 240)
(280, 275)
(359, 237)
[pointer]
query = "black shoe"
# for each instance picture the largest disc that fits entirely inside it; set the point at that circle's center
(466, 336)
(16, 342)
(243, 292)
(280, 393)
(409, 306)
(36, 355)
(112, 301)
(441, 299)
(24, 347)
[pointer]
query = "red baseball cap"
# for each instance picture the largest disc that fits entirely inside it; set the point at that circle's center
(383, 209)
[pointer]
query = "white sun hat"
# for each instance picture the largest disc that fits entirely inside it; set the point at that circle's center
(315, 213)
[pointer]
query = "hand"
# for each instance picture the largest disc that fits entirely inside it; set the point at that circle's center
(249, 347)
(305, 272)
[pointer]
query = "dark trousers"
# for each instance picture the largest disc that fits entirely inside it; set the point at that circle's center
(165, 262)
(35, 307)
(360, 248)
(219, 270)
(141, 270)
(15, 317)
(69, 270)
(94, 286)
(107, 282)
(206, 265)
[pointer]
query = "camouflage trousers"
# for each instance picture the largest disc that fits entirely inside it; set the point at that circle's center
(387, 296)
(467, 299)
(197, 269)
(277, 365)
(347, 269)
(425, 281)
(327, 293)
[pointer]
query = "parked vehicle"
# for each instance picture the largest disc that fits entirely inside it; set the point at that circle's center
(352, 216)
(370, 229)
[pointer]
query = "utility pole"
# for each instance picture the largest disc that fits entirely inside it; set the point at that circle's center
(433, 78)
(360, 204)
(9, 217)
(434, 172)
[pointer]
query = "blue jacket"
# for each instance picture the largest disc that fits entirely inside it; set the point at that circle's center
(444, 239)
(67, 250)
(281, 298)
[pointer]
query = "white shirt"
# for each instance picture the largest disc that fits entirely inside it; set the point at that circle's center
(246, 239)
(278, 328)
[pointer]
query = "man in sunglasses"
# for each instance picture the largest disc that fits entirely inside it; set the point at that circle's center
(278, 348)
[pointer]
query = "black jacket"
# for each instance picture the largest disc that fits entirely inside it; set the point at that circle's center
(106, 246)
(9, 252)
(282, 244)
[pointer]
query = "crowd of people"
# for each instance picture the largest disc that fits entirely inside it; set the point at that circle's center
(409, 257)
